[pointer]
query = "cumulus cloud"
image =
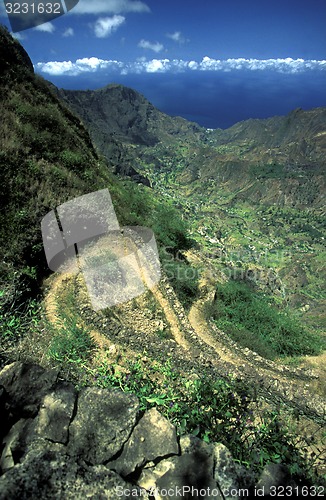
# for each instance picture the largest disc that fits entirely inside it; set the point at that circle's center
(46, 28)
(68, 32)
(155, 46)
(287, 65)
(85, 65)
(105, 26)
(177, 37)
(109, 7)
(193, 65)
(157, 65)
(142, 65)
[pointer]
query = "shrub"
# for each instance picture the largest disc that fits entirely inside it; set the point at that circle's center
(184, 279)
(72, 160)
(17, 315)
(170, 229)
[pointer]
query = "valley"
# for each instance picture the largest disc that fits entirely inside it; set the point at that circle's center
(230, 344)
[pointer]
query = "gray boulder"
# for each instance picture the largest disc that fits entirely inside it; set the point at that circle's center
(103, 423)
(274, 475)
(153, 438)
(51, 475)
(26, 384)
(56, 413)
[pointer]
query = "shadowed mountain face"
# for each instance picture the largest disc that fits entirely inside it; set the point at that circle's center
(122, 114)
(118, 116)
(14, 60)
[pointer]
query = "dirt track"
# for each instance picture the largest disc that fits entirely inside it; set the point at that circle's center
(276, 384)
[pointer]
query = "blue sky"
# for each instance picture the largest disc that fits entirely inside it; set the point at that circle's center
(212, 61)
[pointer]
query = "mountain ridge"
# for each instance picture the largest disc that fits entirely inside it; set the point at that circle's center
(125, 115)
(252, 128)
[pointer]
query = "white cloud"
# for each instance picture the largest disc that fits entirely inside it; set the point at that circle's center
(287, 65)
(85, 65)
(141, 65)
(109, 7)
(155, 46)
(177, 37)
(105, 26)
(193, 65)
(68, 32)
(56, 68)
(18, 36)
(157, 65)
(46, 28)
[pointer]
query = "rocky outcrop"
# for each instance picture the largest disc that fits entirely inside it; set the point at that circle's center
(128, 171)
(61, 443)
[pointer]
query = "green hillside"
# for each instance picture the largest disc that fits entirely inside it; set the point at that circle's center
(47, 158)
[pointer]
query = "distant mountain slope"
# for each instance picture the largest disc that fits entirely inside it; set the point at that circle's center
(280, 160)
(278, 129)
(132, 133)
(300, 136)
(122, 114)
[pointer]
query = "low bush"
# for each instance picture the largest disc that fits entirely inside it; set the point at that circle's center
(184, 279)
(19, 310)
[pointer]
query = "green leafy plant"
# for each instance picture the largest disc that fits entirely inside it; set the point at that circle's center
(72, 160)
(71, 344)
(17, 316)
(183, 277)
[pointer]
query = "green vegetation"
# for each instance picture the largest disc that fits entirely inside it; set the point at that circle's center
(71, 343)
(139, 206)
(272, 171)
(18, 315)
(183, 277)
(248, 227)
(250, 319)
(221, 410)
(17, 320)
